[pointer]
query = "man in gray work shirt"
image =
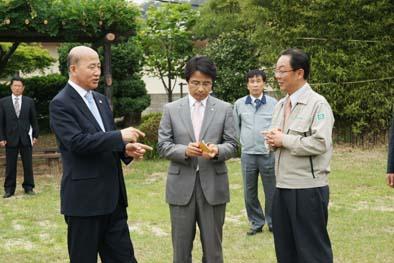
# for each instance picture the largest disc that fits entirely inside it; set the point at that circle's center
(252, 115)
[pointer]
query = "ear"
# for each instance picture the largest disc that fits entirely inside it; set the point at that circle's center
(300, 73)
(72, 68)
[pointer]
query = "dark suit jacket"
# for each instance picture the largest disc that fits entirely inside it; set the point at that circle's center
(92, 182)
(12, 128)
(390, 159)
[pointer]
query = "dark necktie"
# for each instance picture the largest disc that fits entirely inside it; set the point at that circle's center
(258, 103)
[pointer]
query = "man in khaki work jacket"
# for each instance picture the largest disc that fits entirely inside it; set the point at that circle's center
(300, 134)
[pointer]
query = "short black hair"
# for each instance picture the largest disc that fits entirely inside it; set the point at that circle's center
(200, 63)
(17, 78)
(298, 60)
(256, 73)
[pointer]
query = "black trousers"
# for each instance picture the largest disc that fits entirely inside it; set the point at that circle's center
(11, 166)
(106, 235)
(299, 219)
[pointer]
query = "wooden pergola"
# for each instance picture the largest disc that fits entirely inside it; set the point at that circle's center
(106, 40)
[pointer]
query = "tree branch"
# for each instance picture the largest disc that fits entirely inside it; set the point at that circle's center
(6, 57)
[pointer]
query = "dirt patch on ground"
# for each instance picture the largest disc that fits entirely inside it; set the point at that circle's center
(235, 186)
(147, 228)
(46, 224)
(154, 178)
(363, 205)
(157, 231)
(17, 226)
(356, 154)
(12, 244)
(234, 219)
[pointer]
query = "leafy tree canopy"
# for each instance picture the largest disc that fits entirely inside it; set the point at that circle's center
(167, 41)
(27, 58)
(234, 54)
(69, 18)
(350, 44)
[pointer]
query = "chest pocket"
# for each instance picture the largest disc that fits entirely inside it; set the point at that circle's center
(300, 127)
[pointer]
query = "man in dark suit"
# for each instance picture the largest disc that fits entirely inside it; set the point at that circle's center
(390, 159)
(17, 115)
(197, 184)
(93, 193)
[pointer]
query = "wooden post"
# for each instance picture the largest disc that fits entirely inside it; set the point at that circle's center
(181, 84)
(107, 66)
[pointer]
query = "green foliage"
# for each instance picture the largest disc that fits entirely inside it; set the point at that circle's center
(234, 54)
(27, 58)
(42, 90)
(68, 18)
(63, 51)
(347, 41)
(150, 126)
(352, 45)
(129, 96)
(218, 16)
(167, 41)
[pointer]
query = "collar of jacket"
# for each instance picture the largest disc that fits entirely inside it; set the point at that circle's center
(250, 101)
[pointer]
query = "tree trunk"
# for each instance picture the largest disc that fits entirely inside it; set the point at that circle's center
(169, 95)
(132, 119)
(5, 57)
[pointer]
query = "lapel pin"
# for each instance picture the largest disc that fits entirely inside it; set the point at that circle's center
(100, 101)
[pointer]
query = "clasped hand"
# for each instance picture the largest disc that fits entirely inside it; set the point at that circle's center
(193, 150)
(274, 137)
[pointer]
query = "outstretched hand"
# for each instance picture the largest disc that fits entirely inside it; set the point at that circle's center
(131, 134)
(137, 150)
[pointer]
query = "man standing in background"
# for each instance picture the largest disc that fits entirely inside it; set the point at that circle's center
(17, 115)
(301, 135)
(252, 115)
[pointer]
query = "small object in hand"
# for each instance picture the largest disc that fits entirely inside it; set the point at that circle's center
(204, 147)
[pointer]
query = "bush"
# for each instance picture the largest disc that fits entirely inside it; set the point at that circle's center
(150, 126)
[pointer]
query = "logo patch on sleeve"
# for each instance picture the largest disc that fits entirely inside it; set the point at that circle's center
(320, 116)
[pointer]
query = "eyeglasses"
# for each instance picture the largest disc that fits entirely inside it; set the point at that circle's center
(252, 81)
(204, 84)
(282, 72)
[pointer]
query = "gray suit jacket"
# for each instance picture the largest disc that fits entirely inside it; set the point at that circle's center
(176, 132)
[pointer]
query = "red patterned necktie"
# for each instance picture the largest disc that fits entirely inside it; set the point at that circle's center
(287, 110)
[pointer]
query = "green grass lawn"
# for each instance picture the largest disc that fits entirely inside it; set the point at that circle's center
(361, 216)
